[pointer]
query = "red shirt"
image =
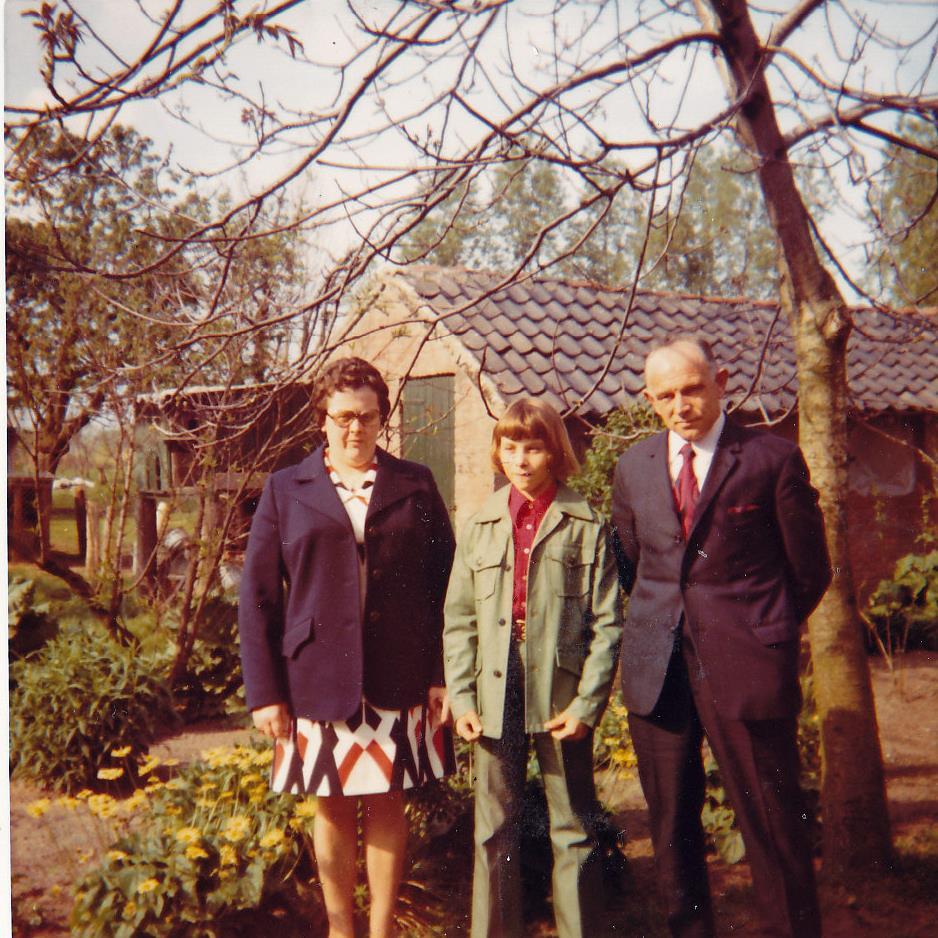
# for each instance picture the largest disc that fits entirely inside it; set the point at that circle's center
(526, 517)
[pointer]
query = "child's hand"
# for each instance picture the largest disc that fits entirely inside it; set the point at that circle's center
(438, 702)
(566, 726)
(469, 726)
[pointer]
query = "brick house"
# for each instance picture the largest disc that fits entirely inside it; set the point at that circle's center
(456, 349)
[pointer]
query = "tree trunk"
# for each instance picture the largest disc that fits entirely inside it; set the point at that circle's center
(853, 794)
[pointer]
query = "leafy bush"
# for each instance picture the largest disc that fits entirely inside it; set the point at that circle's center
(212, 852)
(903, 611)
(213, 671)
(30, 623)
(81, 697)
(619, 430)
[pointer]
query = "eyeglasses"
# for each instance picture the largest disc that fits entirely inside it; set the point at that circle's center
(346, 418)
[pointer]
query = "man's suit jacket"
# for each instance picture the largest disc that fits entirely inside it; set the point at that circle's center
(304, 638)
(753, 568)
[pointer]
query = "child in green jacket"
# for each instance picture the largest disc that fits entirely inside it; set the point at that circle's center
(533, 621)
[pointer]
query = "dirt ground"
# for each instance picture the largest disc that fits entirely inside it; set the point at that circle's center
(900, 902)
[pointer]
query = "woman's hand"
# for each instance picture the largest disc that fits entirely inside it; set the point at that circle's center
(469, 726)
(566, 726)
(273, 721)
(438, 704)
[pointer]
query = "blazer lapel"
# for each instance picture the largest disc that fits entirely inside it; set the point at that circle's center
(313, 488)
(391, 485)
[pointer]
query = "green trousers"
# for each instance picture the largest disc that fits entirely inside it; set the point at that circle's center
(567, 771)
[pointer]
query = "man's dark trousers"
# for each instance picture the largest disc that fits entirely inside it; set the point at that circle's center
(763, 790)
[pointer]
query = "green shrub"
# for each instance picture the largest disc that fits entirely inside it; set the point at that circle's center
(903, 611)
(213, 671)
(30, 623)
(81, 697)
(211, 852)
(617, 432)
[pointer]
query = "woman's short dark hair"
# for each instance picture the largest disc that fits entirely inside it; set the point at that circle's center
(349, 374)
(532, 419)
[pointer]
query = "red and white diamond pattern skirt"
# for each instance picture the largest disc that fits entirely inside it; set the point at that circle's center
(373, 752)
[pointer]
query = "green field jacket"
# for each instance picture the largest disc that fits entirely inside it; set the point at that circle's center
(574, 615)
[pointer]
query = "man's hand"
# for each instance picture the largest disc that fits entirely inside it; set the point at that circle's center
(273, 721)
(469, 726)
(566, 726)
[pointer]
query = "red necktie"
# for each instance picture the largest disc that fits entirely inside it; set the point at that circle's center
(686, 492)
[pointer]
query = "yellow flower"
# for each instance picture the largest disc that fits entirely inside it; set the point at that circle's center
(170, 762)
(305, 808)
(173, 809)
(123, 751)
(207, 786)
(176, 784)
(251, 777)
(66, 801)
(108, 775)
(189, 835)
(237, 828)
(194, 852)
(273, 838)
(84, 793)
(137, 800)
(226, 796)
(149, 764)
(116, 855)
(148, 885)
(38, 808)
(130, 909)
(102, 806)
(227, 855)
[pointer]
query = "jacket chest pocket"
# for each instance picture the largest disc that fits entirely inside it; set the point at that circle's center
(485, 575)
(568, 571)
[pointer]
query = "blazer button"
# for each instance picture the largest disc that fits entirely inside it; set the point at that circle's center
(376, 574)
(374, 615)
(497, 673)
(502, 622)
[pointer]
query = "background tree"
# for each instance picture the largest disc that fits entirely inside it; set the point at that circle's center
(906, 212)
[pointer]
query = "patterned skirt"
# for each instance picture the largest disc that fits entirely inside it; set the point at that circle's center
(373, 752)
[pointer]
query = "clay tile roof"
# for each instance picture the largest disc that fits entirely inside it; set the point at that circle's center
(551, 338)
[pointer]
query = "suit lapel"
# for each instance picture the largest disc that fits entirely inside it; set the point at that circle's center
(724, 462)
(660, 490)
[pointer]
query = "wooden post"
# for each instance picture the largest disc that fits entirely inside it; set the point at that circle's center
(92, 540)
(145, 548)
(81, 521)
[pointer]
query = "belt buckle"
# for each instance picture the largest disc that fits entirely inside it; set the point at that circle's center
(520, 628)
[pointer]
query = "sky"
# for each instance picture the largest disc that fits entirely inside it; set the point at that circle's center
(215, 135)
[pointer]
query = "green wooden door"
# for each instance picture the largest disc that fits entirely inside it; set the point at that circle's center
(429, 430)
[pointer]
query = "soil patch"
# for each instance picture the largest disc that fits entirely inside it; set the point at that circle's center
(900, 902)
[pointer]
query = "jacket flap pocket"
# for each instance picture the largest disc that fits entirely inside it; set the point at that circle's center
(297, 634)
(774, 633)
(570, 660)
(571, 576)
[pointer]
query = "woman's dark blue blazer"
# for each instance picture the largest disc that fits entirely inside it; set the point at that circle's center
(305, 640)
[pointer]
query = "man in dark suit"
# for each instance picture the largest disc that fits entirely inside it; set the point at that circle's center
(722, 549)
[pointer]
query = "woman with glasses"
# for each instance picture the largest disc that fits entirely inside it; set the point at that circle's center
(341, 622)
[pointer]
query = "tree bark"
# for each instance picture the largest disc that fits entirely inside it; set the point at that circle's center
(853, 794)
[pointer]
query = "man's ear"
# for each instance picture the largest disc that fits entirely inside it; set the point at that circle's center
(647, 395)
(722, 376)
